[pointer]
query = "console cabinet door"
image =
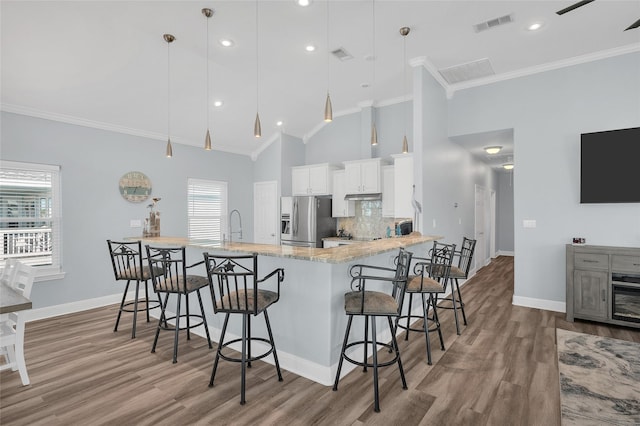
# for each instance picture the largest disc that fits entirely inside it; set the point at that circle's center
(590, 293)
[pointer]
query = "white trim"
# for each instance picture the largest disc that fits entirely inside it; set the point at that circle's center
(73, 307)
(504, 253)
(547, 305)
(263, 146)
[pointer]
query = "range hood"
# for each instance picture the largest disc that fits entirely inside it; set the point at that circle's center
(364, 197)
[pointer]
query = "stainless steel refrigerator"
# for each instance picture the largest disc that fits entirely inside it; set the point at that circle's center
(310, 222)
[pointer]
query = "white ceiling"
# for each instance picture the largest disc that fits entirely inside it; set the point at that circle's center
(104, 63)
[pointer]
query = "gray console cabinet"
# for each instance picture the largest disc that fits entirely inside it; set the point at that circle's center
(589, 282)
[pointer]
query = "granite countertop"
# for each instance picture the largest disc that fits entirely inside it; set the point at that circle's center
(342, 254)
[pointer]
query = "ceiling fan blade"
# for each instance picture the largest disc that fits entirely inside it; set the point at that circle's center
(573, 7)
(634, 25)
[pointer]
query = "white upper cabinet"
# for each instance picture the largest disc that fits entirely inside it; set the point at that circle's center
(388, 191)
(403, 185)
(339, 206)
(314, 179)
(363, 177)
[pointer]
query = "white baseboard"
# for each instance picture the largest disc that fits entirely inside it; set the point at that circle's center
(505, 253)
(73, 307)
(549, 305)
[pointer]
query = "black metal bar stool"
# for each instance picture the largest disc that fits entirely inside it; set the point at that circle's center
(169, 273)
(431, 281)
(371, 305)
(234, 285)
(127, 261)
(459, 272)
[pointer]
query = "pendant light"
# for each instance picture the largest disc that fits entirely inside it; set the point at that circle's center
(328, 109)
(257, 128)
(169, 39)
(208, 13)
(404, 32)
(374, 131)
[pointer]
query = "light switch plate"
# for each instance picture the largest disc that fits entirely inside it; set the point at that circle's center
(529, 223)
(135, 223)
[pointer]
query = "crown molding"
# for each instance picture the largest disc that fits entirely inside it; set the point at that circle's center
(77, 121)
(256, 153)
(550, 66)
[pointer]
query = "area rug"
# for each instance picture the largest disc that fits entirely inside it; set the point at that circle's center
(599, 380)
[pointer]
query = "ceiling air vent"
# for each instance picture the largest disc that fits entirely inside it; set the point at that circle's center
(492, 23)
(468, 71)
(342, 54)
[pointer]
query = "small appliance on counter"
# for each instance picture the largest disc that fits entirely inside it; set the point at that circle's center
(405, 227)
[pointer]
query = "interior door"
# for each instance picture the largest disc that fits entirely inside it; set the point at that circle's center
(480, 254)
(265, 212)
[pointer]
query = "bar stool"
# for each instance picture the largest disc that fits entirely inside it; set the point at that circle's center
(127, 261)
(371, 305)
(459, 272)
(431, 280)
(234, 285)
(19, 277)
(169, 273)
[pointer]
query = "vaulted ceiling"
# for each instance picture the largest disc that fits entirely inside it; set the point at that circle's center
(105, 63)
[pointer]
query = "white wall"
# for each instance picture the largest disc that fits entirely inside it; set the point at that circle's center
(548, 112)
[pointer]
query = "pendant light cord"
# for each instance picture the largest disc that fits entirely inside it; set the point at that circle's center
(328, 48)
(404, 78)
(169, 90)
(257, 61)
(208, 86)
(373, 86)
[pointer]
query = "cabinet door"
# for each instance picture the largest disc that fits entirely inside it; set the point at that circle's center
(388, 196)
(300, 181)
(339, 206)
(590, 293)
(370, 176)
(319, 180)
(403, 185)
(352, 182)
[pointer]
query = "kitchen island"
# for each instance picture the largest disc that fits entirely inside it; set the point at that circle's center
(308, 321)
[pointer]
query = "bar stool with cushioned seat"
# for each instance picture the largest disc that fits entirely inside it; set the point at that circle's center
(373, 304)
(169, 273)
(234, 285)
(459, 272)
(127, 261)
(431, 281)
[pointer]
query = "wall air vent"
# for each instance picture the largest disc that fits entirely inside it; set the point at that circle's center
(492, 23)
(342, 54)
(469, 71)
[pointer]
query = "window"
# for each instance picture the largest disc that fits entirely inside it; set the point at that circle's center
(30, 218)
(207, 213)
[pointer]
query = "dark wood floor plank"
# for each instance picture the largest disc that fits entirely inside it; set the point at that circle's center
(502, 369)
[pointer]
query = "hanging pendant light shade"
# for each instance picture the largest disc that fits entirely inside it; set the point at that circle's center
(169, 39)
(257, 128)
(328, 109)
(169, 152)
(374, 131)
(208, 13)
(374, 135)
(404, 32)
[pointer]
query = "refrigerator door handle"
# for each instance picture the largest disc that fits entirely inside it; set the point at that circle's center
(294, 219)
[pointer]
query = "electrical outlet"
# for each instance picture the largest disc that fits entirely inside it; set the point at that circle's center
(135, 223)
(434, 223)
(529, 223)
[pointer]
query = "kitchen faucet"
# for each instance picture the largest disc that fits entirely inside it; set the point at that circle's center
(239, 231)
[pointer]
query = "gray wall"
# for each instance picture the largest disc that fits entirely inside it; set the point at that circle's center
(548, 112)
(293, 153)
(504, 213)
(92, 161)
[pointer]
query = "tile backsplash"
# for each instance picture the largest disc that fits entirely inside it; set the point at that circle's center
(368, 221)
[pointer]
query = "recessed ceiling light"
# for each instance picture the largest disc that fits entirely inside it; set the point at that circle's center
(303, 3)
(508, 166)
(279, 123)
(492, 149)
(535, 26)
(226, 42)
(217, 103)
(310, 48)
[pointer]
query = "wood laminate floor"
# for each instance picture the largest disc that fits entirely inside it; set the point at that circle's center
(501, 370)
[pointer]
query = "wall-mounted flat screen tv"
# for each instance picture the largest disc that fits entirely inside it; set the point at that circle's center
(610, 166)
